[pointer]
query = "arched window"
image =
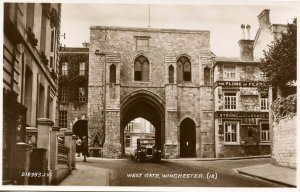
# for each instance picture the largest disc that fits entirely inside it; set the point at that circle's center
(183, 69)
(206, 76)
(112, 74)
(171, 74)
(141, 69)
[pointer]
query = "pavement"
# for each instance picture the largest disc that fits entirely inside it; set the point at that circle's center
(272, 173)
(83, 173)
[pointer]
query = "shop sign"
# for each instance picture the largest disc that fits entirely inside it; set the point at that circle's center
(241, 114)
(237, 84)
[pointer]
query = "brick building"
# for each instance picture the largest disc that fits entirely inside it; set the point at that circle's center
(156, 74)
(30, 66)
(73, 91)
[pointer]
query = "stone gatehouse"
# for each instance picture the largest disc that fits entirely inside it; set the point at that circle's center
(161, 75)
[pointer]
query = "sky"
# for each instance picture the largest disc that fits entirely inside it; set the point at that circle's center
(222, 20)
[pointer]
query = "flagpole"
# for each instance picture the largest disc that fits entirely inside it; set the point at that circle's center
(149, 16)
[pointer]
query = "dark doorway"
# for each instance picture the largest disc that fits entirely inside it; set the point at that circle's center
(187, 138)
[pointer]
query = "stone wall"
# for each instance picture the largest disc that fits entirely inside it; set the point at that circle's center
(117, 45)
(284, 145)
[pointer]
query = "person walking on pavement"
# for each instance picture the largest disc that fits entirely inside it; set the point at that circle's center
(85, 148)
(78, 147)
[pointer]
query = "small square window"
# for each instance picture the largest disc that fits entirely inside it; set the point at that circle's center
(229, 72)
(230, 101)
(142, 43)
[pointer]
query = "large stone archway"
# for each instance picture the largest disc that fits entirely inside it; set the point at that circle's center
(147, 105)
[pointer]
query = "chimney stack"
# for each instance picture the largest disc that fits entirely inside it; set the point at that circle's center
(264, 19)
(86, 45)
(246, 45)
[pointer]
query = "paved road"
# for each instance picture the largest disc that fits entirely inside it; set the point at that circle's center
(181, 173)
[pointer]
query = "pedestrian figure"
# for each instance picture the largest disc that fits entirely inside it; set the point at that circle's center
(84, 148)
(78, 147)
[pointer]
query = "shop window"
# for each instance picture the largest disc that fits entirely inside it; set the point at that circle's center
(141, 69)
(112, 73)
(229, 72)
(265, 132)
(171, 74)
(231, 132)
(184, 69)
(62, 119)
(230, 101)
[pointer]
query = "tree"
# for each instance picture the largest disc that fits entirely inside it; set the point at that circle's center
(280, 60)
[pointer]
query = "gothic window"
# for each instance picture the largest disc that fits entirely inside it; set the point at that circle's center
(206, 76)
(141, 69)
(183, 69)
(112, 73)
(171, 74)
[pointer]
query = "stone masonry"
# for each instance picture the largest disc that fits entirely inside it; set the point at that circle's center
(165, 104)
(284, 152)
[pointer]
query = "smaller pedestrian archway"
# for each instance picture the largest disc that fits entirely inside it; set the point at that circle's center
(187, 138)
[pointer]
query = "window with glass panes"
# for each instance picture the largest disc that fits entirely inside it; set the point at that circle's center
(265, 133)
(231, 132)
(230, 101)
(142, 43)
(81, 68)
(63, 94)
(229, 72)
(64, 68)
(264, 102)
(127, 141)
(62, 119)
(81, 94)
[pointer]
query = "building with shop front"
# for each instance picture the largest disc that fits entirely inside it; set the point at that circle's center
(241, 108)
(30, 67)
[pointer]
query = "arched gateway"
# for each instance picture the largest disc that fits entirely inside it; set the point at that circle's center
(145, 104)
(155, 74)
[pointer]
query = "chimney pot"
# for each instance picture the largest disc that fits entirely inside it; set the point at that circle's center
(243, 31)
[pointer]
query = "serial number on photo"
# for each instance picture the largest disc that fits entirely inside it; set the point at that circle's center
(35, 174)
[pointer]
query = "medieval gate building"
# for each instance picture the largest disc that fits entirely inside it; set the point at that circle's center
(161, 75)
